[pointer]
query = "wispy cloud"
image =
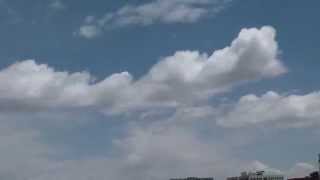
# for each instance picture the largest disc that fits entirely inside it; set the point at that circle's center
(155, 12)
(57, 5)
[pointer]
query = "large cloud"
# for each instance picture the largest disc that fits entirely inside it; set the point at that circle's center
(182, 79)
(156, 151)
(158, 146)
(156, 11)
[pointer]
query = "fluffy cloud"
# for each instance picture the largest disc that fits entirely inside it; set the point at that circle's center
(183, 79)
(27, 85)
(273, 108)
(158, 11)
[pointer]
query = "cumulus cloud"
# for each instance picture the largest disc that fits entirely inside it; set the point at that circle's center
(182, 79)
(158, 11)
(273, 108)
(32, 86)
(170, 147)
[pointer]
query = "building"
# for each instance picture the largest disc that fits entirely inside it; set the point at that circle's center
(260, 175)
(193, 178)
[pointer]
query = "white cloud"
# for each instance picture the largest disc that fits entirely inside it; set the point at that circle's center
(159, 11)
(178, 81)
(183, 79)
(27, 85)
(89, 31)
(149, 149)
(273, 108)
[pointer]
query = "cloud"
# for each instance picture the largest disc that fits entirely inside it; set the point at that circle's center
(171, 130)
(22, 156)
(259, 166)
(176, 135)
(173, 150)
(178, 85)
(298, 170)
(27, 85)
(159, 11)
(301, 169)
(283, 111)
(88, 31)
(155, 151)
(185, 78)
(57, 5)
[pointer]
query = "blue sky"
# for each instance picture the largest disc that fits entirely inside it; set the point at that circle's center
(156, 89)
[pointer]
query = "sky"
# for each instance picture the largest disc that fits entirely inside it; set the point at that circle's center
(158, 89)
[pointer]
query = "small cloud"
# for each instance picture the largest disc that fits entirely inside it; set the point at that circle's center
(88, 31)
(57, 5)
